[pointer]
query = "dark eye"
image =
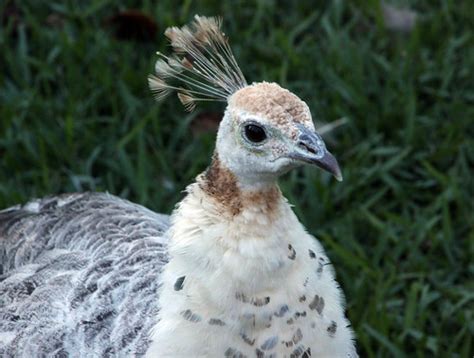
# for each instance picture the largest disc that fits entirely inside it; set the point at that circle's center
(254, 133)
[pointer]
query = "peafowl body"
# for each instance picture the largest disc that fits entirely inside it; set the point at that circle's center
(232, 272)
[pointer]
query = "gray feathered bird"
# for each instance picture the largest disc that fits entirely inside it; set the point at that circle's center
(232, 273)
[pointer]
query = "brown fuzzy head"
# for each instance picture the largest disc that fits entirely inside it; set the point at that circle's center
(279, 106)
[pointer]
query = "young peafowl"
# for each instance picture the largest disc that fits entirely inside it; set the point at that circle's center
(232, 272)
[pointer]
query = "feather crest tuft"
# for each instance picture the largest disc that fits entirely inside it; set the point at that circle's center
(202, 62)
(187, 101)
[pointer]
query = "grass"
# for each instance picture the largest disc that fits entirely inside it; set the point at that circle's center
(76, 115)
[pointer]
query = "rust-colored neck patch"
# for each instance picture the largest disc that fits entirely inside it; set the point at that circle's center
(221, 184)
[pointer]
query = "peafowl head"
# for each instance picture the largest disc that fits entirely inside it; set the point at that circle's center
(266, 129)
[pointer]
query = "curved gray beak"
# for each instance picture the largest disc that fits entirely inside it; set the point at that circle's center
(310, 148)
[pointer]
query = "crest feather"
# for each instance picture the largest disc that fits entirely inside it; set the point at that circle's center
(202, 64)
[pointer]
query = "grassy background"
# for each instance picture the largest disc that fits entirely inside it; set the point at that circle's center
(76, 114)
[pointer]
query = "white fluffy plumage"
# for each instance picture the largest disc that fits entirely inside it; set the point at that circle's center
(232, 267)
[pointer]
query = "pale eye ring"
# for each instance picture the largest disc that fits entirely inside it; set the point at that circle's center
(254, 133)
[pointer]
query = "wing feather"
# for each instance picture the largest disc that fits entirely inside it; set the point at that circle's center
(79, 276)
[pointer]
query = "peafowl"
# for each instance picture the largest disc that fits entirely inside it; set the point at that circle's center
(231, 273)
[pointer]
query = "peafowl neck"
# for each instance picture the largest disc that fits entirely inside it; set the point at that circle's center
(233, 196)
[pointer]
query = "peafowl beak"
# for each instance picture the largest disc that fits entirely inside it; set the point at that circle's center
(310, 148)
